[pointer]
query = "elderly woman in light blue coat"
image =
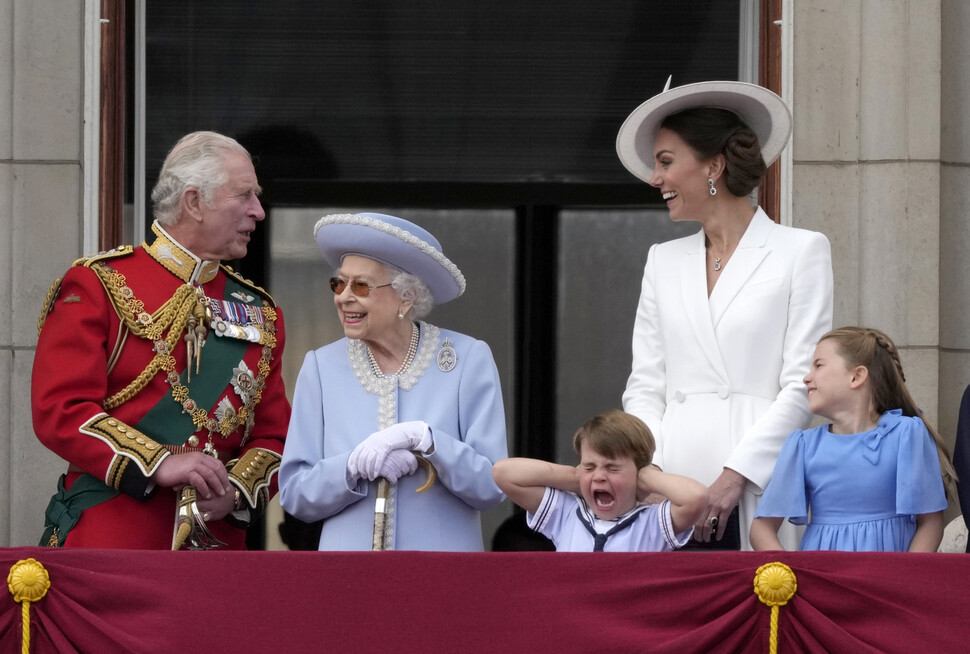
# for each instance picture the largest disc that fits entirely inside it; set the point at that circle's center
(396, 392)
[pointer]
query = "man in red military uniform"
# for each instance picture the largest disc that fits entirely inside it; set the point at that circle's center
(158, 368)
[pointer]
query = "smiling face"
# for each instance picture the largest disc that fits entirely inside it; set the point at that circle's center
(370, 318)
(609, 485)
(225, 227)
(829, 380)
(681, 176)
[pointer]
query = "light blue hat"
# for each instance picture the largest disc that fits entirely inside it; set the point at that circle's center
(393, 241)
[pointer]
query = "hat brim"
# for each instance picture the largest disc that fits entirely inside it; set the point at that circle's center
(392, 241)
(760, 109)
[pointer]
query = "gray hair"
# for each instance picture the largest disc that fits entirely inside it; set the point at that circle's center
(409, 287)
(196, 161)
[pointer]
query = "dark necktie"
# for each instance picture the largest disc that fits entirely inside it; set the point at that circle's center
(599, 540)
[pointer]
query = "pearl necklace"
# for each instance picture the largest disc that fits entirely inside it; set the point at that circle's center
(408, 358)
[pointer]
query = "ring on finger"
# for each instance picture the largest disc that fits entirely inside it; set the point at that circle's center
(713, 521)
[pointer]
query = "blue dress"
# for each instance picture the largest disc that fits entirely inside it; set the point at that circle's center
(863, 491)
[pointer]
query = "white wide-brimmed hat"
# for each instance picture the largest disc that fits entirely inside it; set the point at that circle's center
(760, 109)
(394, 241)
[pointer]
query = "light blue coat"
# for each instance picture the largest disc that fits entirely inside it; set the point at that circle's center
(339, 401)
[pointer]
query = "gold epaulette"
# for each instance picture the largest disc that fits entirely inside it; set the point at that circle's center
(55, 288)
(120, 251)
(249, 284)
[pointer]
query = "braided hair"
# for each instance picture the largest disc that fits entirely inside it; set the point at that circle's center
(872, 349)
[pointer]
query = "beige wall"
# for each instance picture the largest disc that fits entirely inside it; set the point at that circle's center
(881, 164)
(954, 210)
(881, 153)
(865, 173)
(41, 140)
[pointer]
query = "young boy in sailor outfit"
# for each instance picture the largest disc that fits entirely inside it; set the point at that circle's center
(595, 506)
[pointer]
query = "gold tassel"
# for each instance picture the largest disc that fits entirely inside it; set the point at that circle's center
(201, 316)
(774, 584)
(189, 339)
(28, 582)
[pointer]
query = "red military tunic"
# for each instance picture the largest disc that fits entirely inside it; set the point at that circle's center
(104, 388)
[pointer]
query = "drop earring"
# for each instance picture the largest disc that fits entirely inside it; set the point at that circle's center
(400, 314)
(713, 190)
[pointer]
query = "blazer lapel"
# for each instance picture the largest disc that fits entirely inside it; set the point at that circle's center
(749, 254)
(693, 289)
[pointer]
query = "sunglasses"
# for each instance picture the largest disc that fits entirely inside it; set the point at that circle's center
(358, 287)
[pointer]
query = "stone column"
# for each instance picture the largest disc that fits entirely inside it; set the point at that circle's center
(867, 166)
(41, 101)
(954, 212)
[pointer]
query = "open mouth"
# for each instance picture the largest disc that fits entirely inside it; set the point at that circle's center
(669, 195)
(604, 501)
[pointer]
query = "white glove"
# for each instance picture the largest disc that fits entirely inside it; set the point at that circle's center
(367, 459)
(399, 463)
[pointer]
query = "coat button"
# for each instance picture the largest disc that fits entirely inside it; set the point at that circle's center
(724, 392)
(679, 396)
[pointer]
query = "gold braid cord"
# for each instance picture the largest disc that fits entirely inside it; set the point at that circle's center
(171, 317)
(186, 306)
(252, 473)
(774, 584)
(48, 303)
(28, 582)
(55, 288)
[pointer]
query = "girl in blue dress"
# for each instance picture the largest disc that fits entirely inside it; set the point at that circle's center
(871, 480)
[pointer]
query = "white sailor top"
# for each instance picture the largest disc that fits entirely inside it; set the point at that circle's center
(567, 521)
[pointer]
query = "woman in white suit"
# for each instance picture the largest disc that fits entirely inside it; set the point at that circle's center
(727, 317)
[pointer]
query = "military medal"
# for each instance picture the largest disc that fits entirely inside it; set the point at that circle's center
(237, 320)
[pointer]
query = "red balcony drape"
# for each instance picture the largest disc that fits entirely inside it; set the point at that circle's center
(136, 601)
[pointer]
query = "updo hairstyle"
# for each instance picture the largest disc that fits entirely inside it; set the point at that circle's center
(710, 131)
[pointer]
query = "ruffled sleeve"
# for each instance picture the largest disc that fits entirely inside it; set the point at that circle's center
(919, 484)
(785, 496)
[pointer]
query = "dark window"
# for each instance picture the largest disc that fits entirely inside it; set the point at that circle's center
(491, 123)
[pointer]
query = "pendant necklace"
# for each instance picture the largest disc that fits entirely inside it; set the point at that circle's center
(717, 260)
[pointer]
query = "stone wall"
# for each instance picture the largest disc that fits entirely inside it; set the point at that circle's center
(41, 222)
(954, 372)
(882, 166)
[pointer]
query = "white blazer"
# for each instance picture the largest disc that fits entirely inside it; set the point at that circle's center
(719, 379)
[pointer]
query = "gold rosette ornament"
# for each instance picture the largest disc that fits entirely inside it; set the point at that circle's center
(28, 582)
(774, 584)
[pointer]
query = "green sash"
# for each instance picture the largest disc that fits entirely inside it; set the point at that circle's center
(166, 422)
(66, 506)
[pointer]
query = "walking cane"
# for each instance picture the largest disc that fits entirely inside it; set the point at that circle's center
(380, 507)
